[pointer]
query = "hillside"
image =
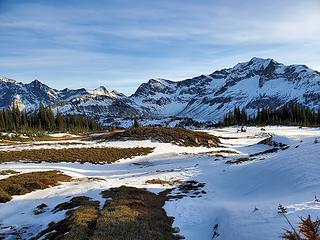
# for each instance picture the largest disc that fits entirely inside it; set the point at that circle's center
(208, 191)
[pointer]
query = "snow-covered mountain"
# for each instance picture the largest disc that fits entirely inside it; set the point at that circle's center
(29, 95)
(255, 84)
(98, 102)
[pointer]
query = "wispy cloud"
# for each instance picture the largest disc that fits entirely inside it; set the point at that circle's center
(122, 43)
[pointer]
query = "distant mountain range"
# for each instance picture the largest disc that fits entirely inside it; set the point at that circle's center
(255, 84)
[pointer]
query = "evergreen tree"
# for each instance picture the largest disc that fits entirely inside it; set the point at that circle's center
(289, 114)
(44, 119)
(60, 124)
(136, 123)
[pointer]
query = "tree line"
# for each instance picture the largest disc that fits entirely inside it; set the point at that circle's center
(289, 114)
(44, 119)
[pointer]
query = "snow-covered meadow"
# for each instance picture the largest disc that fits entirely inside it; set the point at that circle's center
(241, 198)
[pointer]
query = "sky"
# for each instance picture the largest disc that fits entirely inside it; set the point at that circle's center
(123, 43)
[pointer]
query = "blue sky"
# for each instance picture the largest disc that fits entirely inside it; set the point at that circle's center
(122, 43)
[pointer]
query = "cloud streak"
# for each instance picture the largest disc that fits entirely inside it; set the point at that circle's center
(122, 43)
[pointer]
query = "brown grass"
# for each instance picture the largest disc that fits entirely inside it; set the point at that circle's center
(178, 136)
(27, 182)
(134, 214)
(91, 155)
(79, 223)
(8, 172)
(128, 214)
(8, 140)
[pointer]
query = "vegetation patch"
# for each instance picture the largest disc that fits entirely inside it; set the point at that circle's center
(134, 214)
(240, 160)
(27, 182)
(91, 155)
(178, 136)
(79, 223)
(129, 213)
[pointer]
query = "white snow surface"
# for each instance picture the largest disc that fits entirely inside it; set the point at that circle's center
(289, 177)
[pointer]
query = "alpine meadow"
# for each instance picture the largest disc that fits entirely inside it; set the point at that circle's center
(160, 120)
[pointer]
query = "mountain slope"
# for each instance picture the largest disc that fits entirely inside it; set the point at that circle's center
(255, 84)
(29, 95)
(97, 103)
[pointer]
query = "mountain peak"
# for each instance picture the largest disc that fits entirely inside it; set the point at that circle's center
(256, 64)
(103, 91)
(260, 60)
(37, 83)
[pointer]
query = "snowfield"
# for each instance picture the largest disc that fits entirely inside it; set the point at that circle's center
(241, 198)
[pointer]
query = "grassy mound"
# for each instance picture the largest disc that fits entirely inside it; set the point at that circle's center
(129, 213)
(27, 182)
(178, 136)
(91, 155)
(79, 224)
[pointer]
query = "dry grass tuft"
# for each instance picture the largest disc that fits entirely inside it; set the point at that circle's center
(91, 155)
(309, 229)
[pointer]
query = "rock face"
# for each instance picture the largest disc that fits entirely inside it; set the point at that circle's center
(255, 84)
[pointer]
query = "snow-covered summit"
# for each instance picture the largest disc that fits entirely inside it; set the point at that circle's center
(102, 91)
